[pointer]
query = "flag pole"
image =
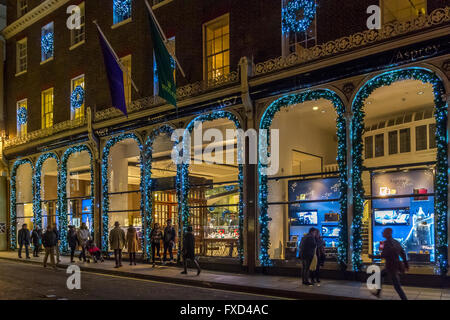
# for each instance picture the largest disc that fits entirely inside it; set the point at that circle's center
(116, 57)
(164, 37)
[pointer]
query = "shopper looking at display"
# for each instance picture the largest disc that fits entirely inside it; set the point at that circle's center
(306, 254)
(169, 240)
(155, 237)
(391, 252)
(117, 242)
(320, 253)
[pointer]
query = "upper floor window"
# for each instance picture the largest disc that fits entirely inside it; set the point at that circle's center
(22, 117)
(297, 41)
(217, 47)
(402, 10)
(21, 56)
(22, 7)
(126, 62)
(77, 97)
(78, 35)
(47, 108)
(47, 42)
(121, 10)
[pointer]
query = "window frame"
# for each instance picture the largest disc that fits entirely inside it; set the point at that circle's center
(22, 10)
(82, 30)
(22, 129)
(19, 43)
(47, 122)
(117, 22)
(224, 17)
(75, 114)
(52, 24)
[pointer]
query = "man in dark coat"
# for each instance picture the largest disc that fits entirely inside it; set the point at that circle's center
(169, 240)
(189, 250)
(36, 240)
(55, 230)
(391, 252)
(24, 240)
(72, 240)
(307, 252)
(50, 241)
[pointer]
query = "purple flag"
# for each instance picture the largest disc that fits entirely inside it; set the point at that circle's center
(115, 75)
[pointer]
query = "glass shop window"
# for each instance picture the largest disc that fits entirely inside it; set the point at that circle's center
(405, 140)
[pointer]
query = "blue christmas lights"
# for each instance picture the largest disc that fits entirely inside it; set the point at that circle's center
(37, 209)
(122, 10)
(290, 15)
(77, 97)
(441, 189)
(266, 123)
(47, 45)
(105, 185)
(13, 200)
(62, 192)
(22, 116)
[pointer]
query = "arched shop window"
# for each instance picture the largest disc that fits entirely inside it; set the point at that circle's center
(46, 182)
(308, 189)
(23, 204)
(214, 181)
(163, 194)
(80, 207)
(400, 181)
(124, 181)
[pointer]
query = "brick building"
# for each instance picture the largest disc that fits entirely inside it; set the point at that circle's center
(360, 115)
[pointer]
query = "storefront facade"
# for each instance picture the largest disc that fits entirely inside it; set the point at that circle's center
(362, 145)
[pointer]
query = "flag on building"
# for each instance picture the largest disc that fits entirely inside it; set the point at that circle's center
(164, 65)
(114, 73)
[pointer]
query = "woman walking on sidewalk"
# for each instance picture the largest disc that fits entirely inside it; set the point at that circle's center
(132, 244)
(189, 250)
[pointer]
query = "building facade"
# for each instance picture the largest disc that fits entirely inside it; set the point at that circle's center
(360, 116)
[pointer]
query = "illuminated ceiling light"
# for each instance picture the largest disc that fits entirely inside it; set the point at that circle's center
(420, 93)
(315, 108)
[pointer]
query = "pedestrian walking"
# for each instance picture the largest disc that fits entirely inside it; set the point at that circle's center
(169, 240)
(72, 240)
(132, 244)
(83, 237)
(392, 250)
(307, 254)
(55, 230)
(36, 240)
(189, 250)
(320, 253)
(117, 242)
(49, 241)
(24, 240)
(155, 238)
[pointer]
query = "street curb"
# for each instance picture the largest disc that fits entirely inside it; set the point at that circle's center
(206, 284)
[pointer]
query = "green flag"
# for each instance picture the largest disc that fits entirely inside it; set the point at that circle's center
(164, 65)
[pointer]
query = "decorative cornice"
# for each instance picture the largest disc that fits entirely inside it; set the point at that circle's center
(32, 17)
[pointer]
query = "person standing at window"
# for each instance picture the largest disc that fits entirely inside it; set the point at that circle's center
(117, 242)
(24, 240)
(307, 252)
(169, 240)
(155, 237)
(83, 238)
(132, 244)
(72, 240)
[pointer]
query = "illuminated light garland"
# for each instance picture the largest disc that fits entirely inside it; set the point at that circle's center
(185, 174)
(341, 158)
(13, 200)
(62, 192)
(77, 97)
(37, 208)
(47, 41)
(441, 115)
(105, 186)
(22, 116)
(290, 13)
(122, 8)
(148, 184)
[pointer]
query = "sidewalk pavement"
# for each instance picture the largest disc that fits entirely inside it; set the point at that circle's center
(278, 286)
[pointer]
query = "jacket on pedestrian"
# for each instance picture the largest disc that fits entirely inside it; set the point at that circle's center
(132, 240)
(72, 238)
(156, 235)
(49, 239)
(35, 238)
(189, 246)
(169, 234)
(307, 247)
(57, 234)
(83, 237)
(117, 238)
(320, 251)
(23, 238)
(391, 252)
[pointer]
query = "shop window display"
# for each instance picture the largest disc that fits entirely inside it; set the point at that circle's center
(24, 197)
(49, 194)
(305, 192)
(124, 178)
(399, 185)
(79, 198)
